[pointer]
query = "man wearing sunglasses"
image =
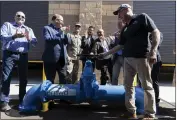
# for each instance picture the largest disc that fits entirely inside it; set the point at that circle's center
(16, 38)
(55, 53)
(138, 57)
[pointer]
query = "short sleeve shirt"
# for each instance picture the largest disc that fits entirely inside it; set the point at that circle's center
(134, 36)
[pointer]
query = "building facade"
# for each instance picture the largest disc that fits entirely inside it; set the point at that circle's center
(96, 13)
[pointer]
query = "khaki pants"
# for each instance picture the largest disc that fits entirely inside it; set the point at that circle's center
(116, 70)
(142, 67)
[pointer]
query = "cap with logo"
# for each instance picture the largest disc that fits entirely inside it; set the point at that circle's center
(120, 8)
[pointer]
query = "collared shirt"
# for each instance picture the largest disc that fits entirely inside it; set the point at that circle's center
(19, 44)
(74, 46)
(105, 46)
(88, 39)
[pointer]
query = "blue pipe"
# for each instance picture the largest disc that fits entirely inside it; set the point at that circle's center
(86, 90)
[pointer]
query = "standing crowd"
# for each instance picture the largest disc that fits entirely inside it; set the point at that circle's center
(134, 47)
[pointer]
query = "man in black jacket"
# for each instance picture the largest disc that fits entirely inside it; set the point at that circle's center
(87, 45)
(103, 44)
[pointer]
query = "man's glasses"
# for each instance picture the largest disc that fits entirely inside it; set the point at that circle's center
(21, 16)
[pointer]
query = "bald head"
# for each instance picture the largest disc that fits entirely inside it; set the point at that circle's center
(100, 33)
(100, 30)
(20, 17)
(57, 16)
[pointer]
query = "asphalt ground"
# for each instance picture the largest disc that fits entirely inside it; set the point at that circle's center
(84, 111)
(64, 111)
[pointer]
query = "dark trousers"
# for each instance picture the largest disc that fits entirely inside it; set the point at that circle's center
(10, 60)
(50, 70)
(106, 67)
(155, 78)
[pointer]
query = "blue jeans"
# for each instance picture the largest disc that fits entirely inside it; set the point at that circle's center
(9, 61)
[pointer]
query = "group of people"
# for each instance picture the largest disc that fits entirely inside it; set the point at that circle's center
(134, 47)
(62, 48)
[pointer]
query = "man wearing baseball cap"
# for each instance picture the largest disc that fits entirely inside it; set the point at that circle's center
(138, 57)
(73, 49)
(122, 6)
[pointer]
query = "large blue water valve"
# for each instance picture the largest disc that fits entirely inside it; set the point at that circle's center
(88, 80)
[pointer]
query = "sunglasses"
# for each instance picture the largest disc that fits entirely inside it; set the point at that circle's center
(21, 16)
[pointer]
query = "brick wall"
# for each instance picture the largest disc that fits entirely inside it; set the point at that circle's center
(64, 8)
(109, 21)
(96, 13)
(90, 14)
(109, 7)
(68, 9)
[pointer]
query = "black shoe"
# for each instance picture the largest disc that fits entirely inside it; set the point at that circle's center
(5, 106)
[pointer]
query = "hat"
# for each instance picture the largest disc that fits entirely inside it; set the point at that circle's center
(78, 24)
(120, 8)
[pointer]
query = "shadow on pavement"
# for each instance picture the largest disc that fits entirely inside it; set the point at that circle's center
(87, 112)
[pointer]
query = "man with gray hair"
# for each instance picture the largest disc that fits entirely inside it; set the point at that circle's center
(138, 57)
(103, 44)
(15, 38)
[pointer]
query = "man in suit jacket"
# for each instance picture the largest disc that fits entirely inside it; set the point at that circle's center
(87, 45)
(55, 53)
(103, 44)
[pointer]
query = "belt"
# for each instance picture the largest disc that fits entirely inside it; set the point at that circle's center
(11, 52)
